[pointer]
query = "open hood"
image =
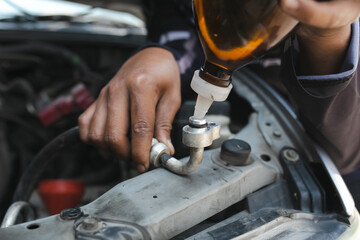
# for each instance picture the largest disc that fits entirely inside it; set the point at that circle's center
(35, 10)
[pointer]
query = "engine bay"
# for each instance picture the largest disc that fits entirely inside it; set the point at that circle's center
(45, 86)
(283, 187)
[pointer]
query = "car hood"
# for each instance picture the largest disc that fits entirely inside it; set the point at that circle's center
(77, 12)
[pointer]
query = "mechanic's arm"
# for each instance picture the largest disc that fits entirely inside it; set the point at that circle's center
(142, 98)
(321, 73)
(324, 32)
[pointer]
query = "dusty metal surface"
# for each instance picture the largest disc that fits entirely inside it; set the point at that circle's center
(166, 204)
(160, 204)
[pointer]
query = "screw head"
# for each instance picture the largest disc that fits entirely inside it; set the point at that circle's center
(295, 196)
(291, 155)
(90, 225)
(71, 213)
(277, 133)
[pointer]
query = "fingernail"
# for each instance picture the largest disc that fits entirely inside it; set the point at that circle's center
(291, 4)
(140, 168)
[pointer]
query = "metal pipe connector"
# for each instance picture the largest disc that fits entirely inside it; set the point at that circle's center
(14, 211)
(197, 135)
(183, 168)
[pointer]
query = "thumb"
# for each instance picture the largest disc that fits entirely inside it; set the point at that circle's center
(322, 14)
(165, 113)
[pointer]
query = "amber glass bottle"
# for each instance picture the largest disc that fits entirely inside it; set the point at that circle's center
(234, 32)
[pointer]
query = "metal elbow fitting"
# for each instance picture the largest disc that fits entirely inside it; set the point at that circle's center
(15, 210)
(197, 135)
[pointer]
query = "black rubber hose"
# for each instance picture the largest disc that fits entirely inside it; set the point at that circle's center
(37, 166)
(49, 50)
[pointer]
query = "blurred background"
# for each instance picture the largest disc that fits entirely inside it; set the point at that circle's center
(55, 56)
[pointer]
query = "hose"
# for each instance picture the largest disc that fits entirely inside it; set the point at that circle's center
(50, 50)
(33, 172)
(15, 210)
(20, 85)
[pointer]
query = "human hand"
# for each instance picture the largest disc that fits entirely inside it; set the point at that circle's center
(144, 96)
(323, 14)
(324, 32)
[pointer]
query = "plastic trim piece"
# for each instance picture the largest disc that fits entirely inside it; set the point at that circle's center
(345, 197)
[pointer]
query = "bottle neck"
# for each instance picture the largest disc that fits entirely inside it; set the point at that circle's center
(215, 74)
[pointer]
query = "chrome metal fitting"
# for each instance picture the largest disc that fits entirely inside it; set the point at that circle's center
(200, 137)
(197, 123)
(157, 149)
(15, 210)
(197, 135)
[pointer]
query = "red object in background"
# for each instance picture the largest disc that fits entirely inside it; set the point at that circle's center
(82, 97)
(49, 115)
(59, 194)
(78, 97)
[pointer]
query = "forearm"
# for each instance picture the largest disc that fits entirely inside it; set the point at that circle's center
(322, 53)
(329, 105)
(170, 26)
(323, 34)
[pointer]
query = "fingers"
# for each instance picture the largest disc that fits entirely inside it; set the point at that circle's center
(105, 123)
(165, 113)
(96, 132)
(117, 122)
(323, 14)
(84, 122)
(92, 122)
(143, 104)
(143, 84)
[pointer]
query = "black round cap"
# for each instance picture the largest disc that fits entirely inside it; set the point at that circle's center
(235, 152)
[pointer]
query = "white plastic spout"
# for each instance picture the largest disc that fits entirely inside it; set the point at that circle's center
(202, 107)
(207, 93)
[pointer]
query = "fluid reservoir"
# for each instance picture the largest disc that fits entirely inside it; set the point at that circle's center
(232, 33)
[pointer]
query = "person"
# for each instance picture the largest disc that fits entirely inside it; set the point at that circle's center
(320, 74)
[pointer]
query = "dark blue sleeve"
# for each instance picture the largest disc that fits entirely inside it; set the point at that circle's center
(170, 25)
(329, 105)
